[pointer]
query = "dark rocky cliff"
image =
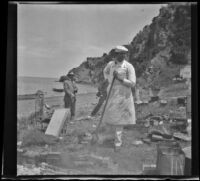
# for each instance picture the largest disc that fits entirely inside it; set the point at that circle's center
(157, 52)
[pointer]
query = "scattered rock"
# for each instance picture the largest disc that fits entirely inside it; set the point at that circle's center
(147, 124)
(160, 130)
(146, 140)
(88, 136)
(155, 137)
(137, 142)
(154, 99)
(94, 126)
(19, 143)
(20, 150)
(138, 102)
(163, 102)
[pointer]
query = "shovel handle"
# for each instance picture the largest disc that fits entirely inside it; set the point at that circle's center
(105, 104)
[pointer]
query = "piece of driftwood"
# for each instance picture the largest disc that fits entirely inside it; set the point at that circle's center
(57, 121)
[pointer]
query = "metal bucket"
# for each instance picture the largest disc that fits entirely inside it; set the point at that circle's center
(170, 159)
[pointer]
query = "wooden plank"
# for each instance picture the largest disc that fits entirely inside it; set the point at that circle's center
(57, 121)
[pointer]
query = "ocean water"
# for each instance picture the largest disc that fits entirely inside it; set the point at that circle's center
(30, 85)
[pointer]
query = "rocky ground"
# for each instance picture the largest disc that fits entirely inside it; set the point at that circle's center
(73, 154)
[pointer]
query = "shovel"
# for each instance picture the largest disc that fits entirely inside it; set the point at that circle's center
(95, 136)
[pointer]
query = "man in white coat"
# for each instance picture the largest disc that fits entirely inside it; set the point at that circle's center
(120, 110)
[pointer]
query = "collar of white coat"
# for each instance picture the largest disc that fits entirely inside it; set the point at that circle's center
(122, 63)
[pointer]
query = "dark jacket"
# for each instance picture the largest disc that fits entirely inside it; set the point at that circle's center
(70, 88)
(102, 89)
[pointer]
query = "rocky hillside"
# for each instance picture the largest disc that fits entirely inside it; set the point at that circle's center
(157, 52)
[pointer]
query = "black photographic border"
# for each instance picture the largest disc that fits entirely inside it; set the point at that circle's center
(9, 75)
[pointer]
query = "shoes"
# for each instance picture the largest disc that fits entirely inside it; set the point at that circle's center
(71, 121)
(117, 148)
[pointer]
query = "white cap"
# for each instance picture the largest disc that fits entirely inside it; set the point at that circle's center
(121, 49)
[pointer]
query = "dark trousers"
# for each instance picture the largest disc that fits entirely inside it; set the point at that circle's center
(98, 106)
(70, 103)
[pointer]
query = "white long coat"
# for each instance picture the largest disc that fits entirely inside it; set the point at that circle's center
(120, 109)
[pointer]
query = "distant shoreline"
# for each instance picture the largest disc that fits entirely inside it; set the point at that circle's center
(37, 77)
(87, 83)
(51, 97)
(57, 80)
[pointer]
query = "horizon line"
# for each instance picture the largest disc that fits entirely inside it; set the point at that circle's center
(36, 76)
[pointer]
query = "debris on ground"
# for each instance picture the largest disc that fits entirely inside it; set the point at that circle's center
(138, 102)
(154, 99)
(149, 169)
(39, 153)
(19, 143)
(182, 136)
(137, 142)
(179, 124)
(163, 102)
(155, 137)
(57, 122)
(187, 150)
(178, 113)
(146, 140)
(181, 101)
(36, 137)
(31, 170)
(20, 150)
(170, 159)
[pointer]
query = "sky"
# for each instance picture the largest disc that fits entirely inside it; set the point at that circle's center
(52, 39)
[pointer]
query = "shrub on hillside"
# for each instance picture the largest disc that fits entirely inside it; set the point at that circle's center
(178, 58)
